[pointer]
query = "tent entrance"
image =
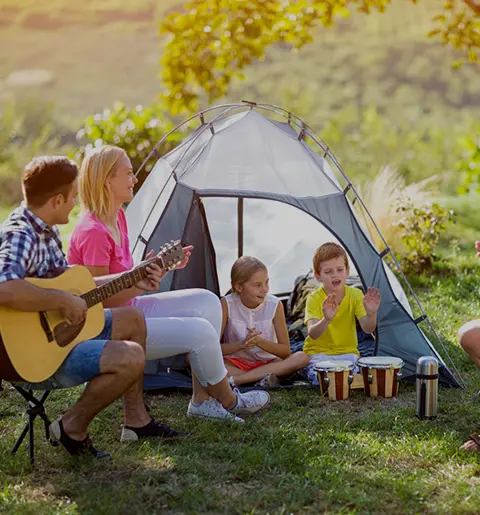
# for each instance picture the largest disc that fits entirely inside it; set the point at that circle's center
(282, 236)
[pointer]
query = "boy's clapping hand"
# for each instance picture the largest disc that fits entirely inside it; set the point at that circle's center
(371, 301)
(330, 307)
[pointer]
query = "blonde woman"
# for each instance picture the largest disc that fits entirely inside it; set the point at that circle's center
(186, 321)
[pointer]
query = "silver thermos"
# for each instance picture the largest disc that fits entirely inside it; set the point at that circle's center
(427, 387)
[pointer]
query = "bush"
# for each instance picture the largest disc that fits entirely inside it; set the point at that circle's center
(135, 130)
(469, 165)
(381, 195)
(420, 229)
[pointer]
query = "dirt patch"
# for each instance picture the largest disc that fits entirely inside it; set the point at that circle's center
(47, 21)
(35, 77)
(8, 16)
(112, 15)
(235, 489)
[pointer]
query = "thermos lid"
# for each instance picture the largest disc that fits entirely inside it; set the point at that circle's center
(427, 365)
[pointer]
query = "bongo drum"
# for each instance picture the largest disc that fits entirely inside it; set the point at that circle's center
(381, 375)
(335, 378)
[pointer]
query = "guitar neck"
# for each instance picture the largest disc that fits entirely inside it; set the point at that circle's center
(114, 286)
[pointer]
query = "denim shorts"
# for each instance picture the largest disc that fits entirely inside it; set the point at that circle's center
(83, 362)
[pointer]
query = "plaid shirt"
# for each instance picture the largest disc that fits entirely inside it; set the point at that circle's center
(28, 247)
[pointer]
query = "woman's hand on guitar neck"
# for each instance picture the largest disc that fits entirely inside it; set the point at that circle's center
(156, 274)
(73, 308)
(187, 251)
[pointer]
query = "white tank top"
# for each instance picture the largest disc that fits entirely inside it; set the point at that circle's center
(240, 318)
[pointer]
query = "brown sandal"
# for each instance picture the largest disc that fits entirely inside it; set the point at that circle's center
(472, 438)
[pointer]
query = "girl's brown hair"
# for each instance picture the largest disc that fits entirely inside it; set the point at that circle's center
(243, 269)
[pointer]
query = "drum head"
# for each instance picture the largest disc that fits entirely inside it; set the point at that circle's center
(333, 366)
(380, 362)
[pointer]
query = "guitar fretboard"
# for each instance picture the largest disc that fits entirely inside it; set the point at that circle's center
(126, 280)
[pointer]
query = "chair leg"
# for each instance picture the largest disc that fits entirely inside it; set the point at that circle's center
(31, 440)
(35, 408)
(20, 439)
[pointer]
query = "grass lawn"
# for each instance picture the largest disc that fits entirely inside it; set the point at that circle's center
(305, 455)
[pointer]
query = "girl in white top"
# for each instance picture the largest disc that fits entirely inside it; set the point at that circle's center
(255, 341)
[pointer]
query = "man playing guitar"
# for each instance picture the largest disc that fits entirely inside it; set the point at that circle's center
(113, 362)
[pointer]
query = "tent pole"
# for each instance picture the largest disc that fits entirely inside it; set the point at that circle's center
(240, 227)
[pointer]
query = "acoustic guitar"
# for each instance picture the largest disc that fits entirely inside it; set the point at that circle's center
(35, 344)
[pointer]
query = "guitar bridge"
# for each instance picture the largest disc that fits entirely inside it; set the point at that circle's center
(46, 326)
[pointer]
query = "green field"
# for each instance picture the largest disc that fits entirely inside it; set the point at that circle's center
(109, 50)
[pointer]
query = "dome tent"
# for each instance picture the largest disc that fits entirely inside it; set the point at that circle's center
(245, 182)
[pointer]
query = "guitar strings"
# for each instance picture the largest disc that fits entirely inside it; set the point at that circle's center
(65, 330)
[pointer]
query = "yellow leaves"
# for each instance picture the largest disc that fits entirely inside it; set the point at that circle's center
(214, 40)
(459, 27)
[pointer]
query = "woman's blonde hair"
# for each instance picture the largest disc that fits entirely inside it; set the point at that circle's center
(243, 269)
(98, 166)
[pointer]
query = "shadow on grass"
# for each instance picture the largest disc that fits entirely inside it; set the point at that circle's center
(306, 455)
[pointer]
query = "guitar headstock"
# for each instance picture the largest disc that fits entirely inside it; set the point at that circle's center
(171, 254)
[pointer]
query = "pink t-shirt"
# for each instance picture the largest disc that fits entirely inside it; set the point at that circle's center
(92, 244)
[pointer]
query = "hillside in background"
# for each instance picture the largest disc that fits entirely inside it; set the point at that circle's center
(87, 57)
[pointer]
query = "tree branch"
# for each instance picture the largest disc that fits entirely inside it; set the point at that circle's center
(474, 5)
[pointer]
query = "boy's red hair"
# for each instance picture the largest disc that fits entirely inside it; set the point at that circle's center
(326, 252)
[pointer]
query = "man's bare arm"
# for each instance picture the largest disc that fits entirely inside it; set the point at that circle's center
(23, 296)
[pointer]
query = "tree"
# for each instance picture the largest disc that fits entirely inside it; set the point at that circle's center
(136, 130)
(212, 41)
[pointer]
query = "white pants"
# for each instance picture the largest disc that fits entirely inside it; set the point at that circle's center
(185, 321)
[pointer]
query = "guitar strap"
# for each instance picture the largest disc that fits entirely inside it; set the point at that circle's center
(7, 371)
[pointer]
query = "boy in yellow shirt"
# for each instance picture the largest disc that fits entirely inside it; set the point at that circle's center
(331, 311)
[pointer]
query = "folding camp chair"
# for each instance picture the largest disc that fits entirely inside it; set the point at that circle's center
(35, 408)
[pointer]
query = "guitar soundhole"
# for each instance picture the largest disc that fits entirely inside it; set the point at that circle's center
(65, 333)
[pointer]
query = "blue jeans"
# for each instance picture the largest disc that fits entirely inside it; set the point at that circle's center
(82, 364)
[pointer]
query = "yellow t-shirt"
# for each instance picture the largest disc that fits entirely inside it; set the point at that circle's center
(340, 337)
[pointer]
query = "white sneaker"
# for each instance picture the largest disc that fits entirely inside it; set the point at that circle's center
(213, 410)
(250, 402)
